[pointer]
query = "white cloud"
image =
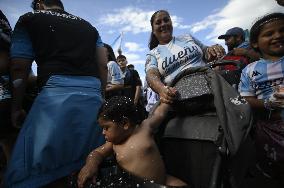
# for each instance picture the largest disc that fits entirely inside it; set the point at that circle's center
(241, 13)
(134, 58)
(135, 20)
(12, 13)
(134, 47)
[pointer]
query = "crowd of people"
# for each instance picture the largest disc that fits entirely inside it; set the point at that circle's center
(90, 105)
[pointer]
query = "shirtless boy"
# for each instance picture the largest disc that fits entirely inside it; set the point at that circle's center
(133, 145)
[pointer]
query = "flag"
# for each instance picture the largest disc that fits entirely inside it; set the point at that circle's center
(116, 45)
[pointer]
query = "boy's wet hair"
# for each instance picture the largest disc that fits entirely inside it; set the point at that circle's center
(119, 108)
(257, 26)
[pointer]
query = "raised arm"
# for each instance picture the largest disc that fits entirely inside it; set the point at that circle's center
(94, 159)
(157, 117)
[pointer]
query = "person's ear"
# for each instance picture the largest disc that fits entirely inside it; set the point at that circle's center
(126, 123)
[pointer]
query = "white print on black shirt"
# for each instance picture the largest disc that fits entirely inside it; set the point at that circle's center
(63, 15)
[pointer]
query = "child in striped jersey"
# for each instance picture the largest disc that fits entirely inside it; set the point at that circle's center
(260, 83)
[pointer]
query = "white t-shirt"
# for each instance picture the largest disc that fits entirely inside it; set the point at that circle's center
(179, 54)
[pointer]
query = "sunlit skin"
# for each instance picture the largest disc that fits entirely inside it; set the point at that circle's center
(270, 41)
(134, 148)
(162, 27)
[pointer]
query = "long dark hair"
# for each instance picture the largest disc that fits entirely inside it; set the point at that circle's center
(153, 42)
(111, 55)
(257, 26)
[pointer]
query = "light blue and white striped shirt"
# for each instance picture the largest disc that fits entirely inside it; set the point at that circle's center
(260, 78)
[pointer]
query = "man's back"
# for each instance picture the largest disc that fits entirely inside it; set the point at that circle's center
(62, 43)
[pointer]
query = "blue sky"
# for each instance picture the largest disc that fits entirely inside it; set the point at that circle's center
(204, 19)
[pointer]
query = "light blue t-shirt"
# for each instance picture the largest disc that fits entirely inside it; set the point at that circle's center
(114, 73)
(260, 78)
(179, 54)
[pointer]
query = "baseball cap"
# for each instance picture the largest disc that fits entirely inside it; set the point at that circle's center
(232, 32)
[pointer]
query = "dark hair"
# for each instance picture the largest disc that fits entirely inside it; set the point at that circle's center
(111, 55)
(121, 57)
(5, 33)
(130, 66)
(118, 108)
(48, 3)
(257, 26)
(153, 42)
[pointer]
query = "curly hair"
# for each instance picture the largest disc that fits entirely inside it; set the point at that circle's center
(257, 26)
(119, 108)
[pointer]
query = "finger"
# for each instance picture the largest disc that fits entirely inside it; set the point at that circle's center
(173, 91)
(279, 96)
(169, 91)
(212, 52)
(219, 51)
(94, 180)
(164, 100)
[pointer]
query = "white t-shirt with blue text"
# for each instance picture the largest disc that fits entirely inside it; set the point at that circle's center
(179, 54)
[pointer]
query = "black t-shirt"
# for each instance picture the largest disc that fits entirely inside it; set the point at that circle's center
(62, 43)
(131, 80)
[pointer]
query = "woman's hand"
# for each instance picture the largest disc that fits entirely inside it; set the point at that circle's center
(214, 52)
(167, 94)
